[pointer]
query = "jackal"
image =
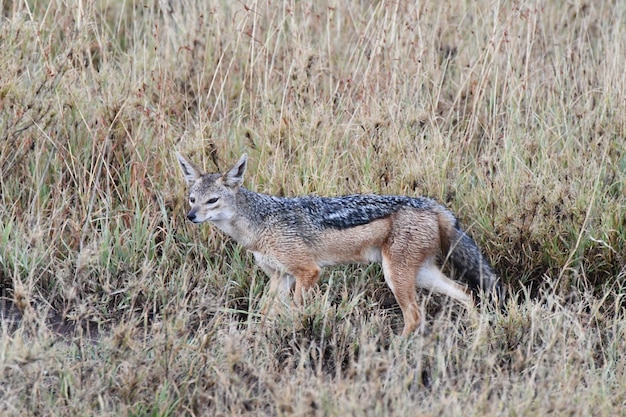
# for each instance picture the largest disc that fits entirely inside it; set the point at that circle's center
(292, 238)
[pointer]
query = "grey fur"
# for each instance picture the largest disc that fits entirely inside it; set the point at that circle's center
(327, 212)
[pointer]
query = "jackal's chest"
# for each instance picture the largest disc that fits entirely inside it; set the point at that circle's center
(268, 262)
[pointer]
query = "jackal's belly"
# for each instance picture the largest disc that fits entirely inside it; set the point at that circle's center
(360, 244)
(364, 256)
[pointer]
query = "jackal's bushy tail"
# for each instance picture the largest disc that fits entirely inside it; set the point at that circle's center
(467, 259)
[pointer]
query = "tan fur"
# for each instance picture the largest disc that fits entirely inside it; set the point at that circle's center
(407, 242)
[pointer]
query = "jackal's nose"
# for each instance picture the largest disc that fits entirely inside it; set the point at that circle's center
(192, 217)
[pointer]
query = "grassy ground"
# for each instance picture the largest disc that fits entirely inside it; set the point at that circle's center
(511, 113)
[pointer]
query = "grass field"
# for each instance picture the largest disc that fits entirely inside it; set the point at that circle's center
(511, 113)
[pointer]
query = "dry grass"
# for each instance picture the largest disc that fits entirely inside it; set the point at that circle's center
(511, 113)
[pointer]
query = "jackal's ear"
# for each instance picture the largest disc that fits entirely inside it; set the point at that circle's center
(190, 172)
(234, 177)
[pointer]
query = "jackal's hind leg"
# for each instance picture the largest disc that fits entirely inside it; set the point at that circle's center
(403, 287)
(431, 278)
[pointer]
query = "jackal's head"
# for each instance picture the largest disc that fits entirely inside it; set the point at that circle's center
(212, 196)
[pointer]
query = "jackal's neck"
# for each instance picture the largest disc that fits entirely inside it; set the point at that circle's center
(246, 219)
(237, 228)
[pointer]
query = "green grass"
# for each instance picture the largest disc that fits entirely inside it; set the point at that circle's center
(511, 114)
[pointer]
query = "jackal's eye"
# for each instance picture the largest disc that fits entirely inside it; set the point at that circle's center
(212, 200)
(192, 200)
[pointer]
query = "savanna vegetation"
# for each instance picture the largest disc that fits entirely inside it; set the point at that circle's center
(512, 113)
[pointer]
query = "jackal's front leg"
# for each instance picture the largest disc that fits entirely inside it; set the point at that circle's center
(280, 285)
(272, 300)
(306, 277)
(279, 291)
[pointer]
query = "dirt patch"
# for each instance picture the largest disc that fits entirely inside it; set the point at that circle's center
(12, 317)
